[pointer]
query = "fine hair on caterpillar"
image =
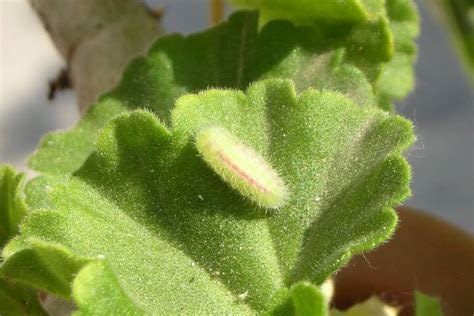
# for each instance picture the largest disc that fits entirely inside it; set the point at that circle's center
(241, 167)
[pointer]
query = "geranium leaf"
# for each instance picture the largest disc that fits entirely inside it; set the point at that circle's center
(397, 78)
(12, 204)
(158, 274)
(37, 191)
(97, 291)
(380, 35)
(303, 299)
(280, 304)
(41, 265)
(364, 23)
(307, 11)
(15, 299)
(172, 228)
(231, 55)
(308, 300)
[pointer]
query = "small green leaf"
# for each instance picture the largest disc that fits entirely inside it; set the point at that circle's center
(171, 228)
(15, 299)
(41, 265)
(280, 304)
(12, 205)
(427, 305)
(231, 55)
(97, 291)
(397, 78)
(308, 300)
(303, 299)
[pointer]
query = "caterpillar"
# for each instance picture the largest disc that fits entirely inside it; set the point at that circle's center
(241, 167)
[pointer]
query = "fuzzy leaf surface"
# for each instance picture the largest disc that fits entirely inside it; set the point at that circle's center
(307, 11)
(172, 229)
(397, 78)
(231, 55)
(380, 36)
(97, 291)
(12, 204)
(14, 298)
(303, 299)
(307, 300)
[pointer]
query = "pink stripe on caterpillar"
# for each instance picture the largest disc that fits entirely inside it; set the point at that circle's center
(242, 174)
(241, 167)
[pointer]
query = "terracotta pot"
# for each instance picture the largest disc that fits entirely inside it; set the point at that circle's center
(426, 254)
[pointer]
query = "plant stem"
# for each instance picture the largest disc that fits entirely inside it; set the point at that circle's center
(216, 11)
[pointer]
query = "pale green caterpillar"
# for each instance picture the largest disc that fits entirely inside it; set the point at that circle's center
(241, 167)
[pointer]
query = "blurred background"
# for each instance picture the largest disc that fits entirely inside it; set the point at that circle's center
(441, 107)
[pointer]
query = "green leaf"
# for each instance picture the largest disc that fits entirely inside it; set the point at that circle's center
(231, 55)
(307, 11)
(303, 299)
(97, 291)
(362, 25)
(42, 265)
(37, 191)
(427, 305)
(18, 300)
(180, 240)
(12, 205)
(397, 78)
(380, 35)
(280, 304)
(14, 298)
(322, 200)
(308, 300)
